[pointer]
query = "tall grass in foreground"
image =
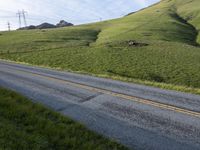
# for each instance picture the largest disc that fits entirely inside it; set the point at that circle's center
(27, 126)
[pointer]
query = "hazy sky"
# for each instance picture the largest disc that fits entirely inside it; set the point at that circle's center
(74, 11)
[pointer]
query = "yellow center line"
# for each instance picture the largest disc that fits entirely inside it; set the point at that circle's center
(119, 95)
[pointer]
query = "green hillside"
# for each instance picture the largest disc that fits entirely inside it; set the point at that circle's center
(157, 46)
(170, 20)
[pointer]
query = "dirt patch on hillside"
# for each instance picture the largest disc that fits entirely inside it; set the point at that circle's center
(133, 43)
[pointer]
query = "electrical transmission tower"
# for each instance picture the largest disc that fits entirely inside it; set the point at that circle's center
(24, 13)
(21, 14)
(8, 26)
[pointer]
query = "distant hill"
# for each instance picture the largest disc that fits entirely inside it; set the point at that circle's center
(63, 23)
(45, 25)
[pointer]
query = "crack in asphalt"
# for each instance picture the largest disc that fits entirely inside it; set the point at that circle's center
(90, 98)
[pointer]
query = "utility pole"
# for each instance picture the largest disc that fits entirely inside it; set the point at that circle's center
(24, 13)
(19, 16)
(8, 26)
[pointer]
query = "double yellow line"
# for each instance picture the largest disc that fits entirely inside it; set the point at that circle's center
(119, 95)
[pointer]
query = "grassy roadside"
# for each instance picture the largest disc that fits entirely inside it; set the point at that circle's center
(24, 125)
(164, 86)
(165, 68)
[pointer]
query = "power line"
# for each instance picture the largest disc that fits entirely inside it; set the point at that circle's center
(6, 11)
(7, 16)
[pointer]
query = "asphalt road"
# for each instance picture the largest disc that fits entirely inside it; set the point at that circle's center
(137, 116)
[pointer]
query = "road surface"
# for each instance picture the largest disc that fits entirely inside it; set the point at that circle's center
(137, 116)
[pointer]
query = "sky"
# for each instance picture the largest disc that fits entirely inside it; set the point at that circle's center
(74, 11)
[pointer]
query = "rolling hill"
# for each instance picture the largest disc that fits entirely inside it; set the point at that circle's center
(157, 46)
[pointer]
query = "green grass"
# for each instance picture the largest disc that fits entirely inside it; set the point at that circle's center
(41, 40)
(24, 126)
(171, 59)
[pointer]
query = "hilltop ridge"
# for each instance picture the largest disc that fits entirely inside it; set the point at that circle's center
(168, 20)
(46, 25)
